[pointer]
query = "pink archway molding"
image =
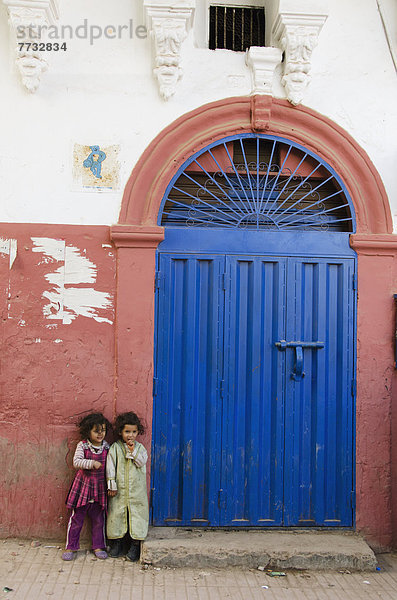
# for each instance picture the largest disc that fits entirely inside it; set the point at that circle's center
(193, 131)
(137, 236)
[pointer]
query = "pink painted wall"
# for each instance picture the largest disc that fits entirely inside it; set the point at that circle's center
(134, 333)
(376, 411)
(45, 383)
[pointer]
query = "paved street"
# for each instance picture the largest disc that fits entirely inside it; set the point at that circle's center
(38, 573)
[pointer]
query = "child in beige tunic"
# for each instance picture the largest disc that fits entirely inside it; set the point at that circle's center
(128, 511)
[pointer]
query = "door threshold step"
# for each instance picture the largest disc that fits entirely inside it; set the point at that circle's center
(314, 550)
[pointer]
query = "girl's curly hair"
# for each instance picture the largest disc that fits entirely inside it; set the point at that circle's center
(127, 418)
(89, 421)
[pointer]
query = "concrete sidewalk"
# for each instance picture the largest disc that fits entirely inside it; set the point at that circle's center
(38, 573)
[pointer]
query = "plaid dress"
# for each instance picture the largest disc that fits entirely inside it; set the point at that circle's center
(89, 484)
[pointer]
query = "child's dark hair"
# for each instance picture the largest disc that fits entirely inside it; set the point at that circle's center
(89, 421)
(127, 418)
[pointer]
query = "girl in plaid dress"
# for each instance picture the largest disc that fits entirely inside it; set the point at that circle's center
(87, 494)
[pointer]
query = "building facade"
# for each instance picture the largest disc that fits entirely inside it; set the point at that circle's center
(204, 236)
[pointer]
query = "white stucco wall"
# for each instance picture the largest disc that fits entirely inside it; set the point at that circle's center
(106, 94)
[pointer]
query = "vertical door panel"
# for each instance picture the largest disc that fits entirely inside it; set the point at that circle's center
(319, 407)
(186, 414)
(252, 453)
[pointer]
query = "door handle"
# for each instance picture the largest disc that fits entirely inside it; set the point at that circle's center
(298, 373)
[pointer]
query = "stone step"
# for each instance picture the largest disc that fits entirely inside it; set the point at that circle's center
(279, 550)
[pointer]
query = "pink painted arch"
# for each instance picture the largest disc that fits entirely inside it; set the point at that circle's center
(195, 130)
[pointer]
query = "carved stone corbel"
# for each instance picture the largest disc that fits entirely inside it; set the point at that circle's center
(168, 24)
(297, 36)
(262, 62)
(26, 18)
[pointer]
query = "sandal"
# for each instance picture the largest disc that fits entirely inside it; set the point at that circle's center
(101, 554)
(68, 555)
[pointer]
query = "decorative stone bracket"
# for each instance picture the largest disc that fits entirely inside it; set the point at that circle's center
(168, 24)
(297, 35)
(25, 18)
(262, 62)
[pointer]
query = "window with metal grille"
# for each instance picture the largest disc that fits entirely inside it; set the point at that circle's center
(257, 182)
(236, 28)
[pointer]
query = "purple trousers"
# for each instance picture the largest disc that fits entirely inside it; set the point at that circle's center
(97, 515)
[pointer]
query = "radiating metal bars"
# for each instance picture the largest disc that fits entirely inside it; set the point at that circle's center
(275, 185)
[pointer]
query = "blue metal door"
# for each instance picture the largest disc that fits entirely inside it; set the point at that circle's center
(253, 414)
(187, 416)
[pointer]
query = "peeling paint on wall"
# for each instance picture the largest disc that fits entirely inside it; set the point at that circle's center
(9, 247)
(67, 302)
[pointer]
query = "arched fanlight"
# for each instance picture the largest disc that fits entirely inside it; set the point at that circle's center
(257, 182)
